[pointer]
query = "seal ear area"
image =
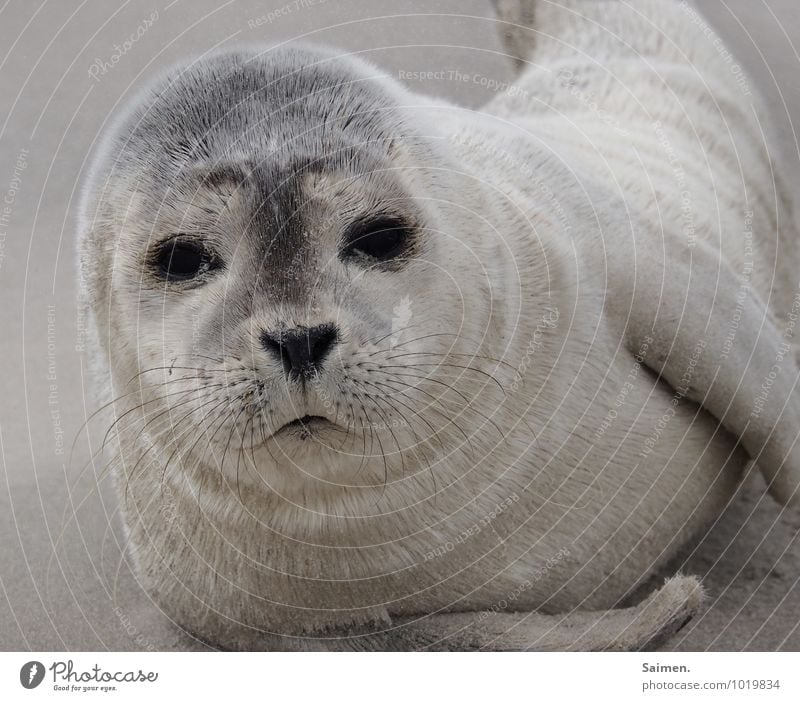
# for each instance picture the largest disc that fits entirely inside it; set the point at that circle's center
(224, 177)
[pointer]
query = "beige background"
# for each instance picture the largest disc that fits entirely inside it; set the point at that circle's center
(63, 584)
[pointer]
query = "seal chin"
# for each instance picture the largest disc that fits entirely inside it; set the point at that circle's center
(305, 426)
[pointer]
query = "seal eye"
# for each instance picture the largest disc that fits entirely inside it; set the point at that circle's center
(379, 239)
(180, 259)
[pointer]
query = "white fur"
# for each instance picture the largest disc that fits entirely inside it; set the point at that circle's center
(562, 261)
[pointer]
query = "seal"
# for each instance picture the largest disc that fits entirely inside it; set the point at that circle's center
(390, 374)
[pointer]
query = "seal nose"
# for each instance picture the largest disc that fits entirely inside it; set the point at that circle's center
(301, 350)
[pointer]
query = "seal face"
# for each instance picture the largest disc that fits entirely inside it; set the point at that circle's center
(281, 241)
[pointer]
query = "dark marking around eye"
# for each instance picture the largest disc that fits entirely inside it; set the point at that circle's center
(380, 239)
(179, 260)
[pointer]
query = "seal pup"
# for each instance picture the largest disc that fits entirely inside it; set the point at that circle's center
(391, 374)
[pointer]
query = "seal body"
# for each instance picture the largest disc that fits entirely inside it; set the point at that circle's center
(484, 433)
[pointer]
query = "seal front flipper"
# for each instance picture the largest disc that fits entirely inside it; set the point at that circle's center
(715, 342)
(516, 20)
(641, 627)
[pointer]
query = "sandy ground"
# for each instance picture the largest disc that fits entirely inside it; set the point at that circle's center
(63, 582)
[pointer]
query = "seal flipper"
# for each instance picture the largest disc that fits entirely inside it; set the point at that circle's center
(684, 305)
(640, 627)
(516, 19)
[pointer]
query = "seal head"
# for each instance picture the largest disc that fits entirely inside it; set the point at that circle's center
(281, 251)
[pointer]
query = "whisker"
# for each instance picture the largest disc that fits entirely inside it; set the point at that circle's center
(444, 365)
(239, 459)
(446, 415)
(418, 441)
(394, 437)
(153, 444)
(467, 403)
(180, 442)
(110, 403)
(434, 432)
(177, 367)
(385, 464)
(230, 437)
(119, 432)
(211, 396)
(411, 340)
(141, 405)
(451, 355)
(391, 333)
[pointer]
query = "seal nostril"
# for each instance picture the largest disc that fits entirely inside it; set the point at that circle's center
(272, 344)
(301, 350)
(323, 340)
